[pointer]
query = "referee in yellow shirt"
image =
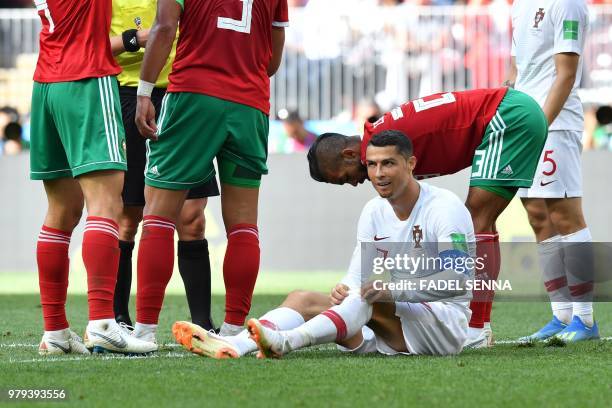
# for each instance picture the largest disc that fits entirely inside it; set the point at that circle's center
(129, 32)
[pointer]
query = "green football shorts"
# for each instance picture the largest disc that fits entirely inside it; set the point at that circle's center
(193, 130)
(76, 128)
(508, 155)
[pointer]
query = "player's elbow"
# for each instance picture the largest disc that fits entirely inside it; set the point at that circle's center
(165, 30)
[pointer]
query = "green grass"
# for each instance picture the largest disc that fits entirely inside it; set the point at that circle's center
(507, 375)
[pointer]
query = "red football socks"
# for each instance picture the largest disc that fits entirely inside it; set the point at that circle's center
(496, 270)
(101, 259)
(53, 265)
(155, 265)
(487, 246)
(240, 269)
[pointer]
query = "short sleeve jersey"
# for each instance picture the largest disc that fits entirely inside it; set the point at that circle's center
(438, 217)
(136, 14)
(74, 41)
(541, 29)
(224, 49)
(445, 129)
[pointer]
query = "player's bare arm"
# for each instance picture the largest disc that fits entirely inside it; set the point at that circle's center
(160, 42)
(117, 46)
(512, 72)
(278, 43)
(566, 65)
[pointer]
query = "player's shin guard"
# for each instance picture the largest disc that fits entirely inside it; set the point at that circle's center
(486, 251)
(336, 324)
(240, 269)
(551, 257)
(53, 265)
(101, 259)
(123, 286)
(580, 272)
(155, 264)
(194, 267)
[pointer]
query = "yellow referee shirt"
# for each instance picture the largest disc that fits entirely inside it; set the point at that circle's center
(138, 14)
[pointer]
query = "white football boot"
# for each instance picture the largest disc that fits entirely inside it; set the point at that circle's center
(106, 336)
(477, 338)
(60, 342)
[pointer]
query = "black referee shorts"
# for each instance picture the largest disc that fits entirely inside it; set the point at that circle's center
(133, 187)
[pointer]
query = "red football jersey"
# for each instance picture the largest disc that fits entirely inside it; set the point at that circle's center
(74, 41)
(444, 128)
(224, 49)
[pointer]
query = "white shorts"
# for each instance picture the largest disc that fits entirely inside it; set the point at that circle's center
(559, 172)
(436, 328)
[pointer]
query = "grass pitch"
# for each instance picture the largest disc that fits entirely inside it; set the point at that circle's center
(507, 375)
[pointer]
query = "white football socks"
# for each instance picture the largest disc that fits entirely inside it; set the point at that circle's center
(340, 322)
(550, 255)
(580, 271)
(283, 318)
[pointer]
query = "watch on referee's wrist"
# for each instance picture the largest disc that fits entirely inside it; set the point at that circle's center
(130, 40)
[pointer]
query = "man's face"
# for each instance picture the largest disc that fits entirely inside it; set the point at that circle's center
(350, 171)
(388, 170)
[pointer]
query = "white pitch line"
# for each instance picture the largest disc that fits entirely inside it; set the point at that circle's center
(102, 357)
(24, 345)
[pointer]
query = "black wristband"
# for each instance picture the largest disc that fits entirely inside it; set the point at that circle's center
(130, 42)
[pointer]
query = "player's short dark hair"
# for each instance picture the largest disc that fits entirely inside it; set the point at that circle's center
(393, 138)
(324, 153)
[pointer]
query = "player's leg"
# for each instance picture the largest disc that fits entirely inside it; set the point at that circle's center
(242, 162)
(191, 132)
(565, 251)
(133, 199)
(298, 307)
(485, 205)
(567, 217)
(89, 125)
(193, 256)
(505, 161)
(552, 266)
(337, 324)
(241, 262)
(48, 162)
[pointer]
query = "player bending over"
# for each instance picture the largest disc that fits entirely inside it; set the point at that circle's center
(500, 133)
(422, 322)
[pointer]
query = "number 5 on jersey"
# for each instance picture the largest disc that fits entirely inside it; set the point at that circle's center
(244, 24)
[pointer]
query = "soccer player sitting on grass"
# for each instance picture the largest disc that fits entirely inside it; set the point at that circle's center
(433, 322)
(499, 132)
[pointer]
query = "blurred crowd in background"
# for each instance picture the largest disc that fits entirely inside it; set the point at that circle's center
(348, 61)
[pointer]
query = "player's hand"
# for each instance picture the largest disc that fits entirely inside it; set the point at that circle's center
(339, 293)
(372, 295)
(145, 118)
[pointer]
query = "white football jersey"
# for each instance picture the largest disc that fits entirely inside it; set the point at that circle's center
(541, 29)
(438, 219)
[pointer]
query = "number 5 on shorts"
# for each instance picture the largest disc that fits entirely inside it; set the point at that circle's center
(550, 160)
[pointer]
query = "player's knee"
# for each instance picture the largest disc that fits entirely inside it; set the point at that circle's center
(308, 304)
(538, 217)
(128, 227)
(192, 223)
(566, 222)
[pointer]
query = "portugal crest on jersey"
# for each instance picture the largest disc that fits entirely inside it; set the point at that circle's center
(539, 16)
(417, 236)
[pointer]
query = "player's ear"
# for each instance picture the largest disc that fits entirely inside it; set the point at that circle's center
(349, 153)
(412, 161)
